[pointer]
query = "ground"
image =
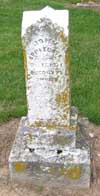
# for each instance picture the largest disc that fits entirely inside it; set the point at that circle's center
(7, 135)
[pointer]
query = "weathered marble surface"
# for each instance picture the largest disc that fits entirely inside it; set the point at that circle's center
(44, 163)
(45, 45)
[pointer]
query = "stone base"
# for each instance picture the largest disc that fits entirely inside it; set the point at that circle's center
(42, 156)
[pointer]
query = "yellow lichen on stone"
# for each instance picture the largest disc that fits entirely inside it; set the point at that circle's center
(75, 127)
(19, 166)
(74, 173)
(25, 63)
(28, 77)
(62, 98)
(67, 58)
(65, 116)
(30, 135)
(38, 124)
(50, 126)
(67, 55)
(63, 37)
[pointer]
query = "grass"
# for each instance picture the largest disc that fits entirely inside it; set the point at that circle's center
(85, 62)
(85, 58)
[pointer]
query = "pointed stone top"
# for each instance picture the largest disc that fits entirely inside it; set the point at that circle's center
(59, 17)
(48, 9)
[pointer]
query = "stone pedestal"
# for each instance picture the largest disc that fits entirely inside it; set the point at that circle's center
(45, 150)
(48, 157)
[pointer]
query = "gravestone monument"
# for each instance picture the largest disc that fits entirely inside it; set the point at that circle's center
(45, 150)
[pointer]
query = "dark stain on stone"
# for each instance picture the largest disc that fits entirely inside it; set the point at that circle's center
(59, 151)
(31, 149)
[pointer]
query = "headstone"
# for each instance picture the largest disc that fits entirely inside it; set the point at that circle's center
(45, 149)
(47, 72)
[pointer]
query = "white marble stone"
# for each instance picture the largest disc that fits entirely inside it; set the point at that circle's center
(57, 16)
(45, 43)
